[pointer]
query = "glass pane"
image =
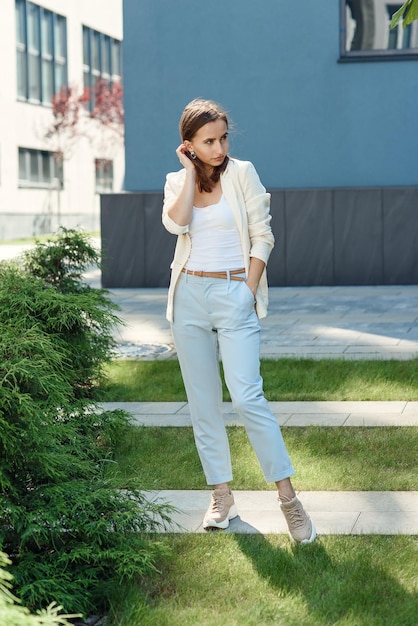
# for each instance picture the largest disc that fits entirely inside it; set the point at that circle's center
(393, 39)
(60, 76)
(58, 173)
(116, 64)
(98, 165)
(86, 46)
(59, 36)
(407, 37)
(86, 80)
(20, 23)
(47, 80)
(104, 175)
(34, 77)
(21, 74)
(109, 176)
(46, 33)
(368, 27)
(95, 62)
(106, 55)
(33, 27)
(46, 167)
(34, 166)
(23, 175)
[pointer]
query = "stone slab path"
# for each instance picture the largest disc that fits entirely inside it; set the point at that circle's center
(396, 413)
(354, 323)
(334, 512)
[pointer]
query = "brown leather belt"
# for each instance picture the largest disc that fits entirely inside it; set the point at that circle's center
(232, 274)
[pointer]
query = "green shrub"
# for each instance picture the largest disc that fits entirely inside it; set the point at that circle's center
(70, 533)
(63, 260)
(79, 317)
(12, 614)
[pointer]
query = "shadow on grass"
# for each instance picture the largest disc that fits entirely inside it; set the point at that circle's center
(334, 586)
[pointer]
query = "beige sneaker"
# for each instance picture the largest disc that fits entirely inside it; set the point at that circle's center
(222, 509)
(301, 527)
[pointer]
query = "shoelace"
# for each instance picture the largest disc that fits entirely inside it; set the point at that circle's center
(218, 503)
(296, 517)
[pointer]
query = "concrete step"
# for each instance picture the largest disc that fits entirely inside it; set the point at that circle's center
(333, 512)
(395, 413)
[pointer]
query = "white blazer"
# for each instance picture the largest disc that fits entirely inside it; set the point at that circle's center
(250, 206)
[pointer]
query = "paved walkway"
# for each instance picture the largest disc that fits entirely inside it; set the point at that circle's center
(334, 512)
(378, 322)
(315, 322)
(396, 413)
(306, 322)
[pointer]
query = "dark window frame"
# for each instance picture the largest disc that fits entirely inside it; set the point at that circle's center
(353, 56)
(57, 60)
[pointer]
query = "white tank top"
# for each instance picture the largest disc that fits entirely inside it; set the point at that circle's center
(216, 242)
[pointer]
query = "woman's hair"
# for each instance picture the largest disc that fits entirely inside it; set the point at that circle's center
(196, 114)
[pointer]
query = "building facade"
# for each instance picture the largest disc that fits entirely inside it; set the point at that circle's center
(53, 176)
(324, 100)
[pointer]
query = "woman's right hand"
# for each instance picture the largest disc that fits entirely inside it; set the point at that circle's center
(186, 162)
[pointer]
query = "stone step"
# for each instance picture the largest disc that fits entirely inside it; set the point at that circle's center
(394, 413)
(333, 512)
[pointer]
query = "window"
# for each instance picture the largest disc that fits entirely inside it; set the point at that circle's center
(41, 52)
(366, 32)
(104, 175)
(39, 168)
(101, 59)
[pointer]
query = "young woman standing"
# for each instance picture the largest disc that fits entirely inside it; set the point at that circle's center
(220, 212)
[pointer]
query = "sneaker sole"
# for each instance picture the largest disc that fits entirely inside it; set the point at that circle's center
(232, 514)
(305, 541)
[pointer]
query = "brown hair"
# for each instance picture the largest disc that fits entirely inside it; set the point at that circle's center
(195, 115)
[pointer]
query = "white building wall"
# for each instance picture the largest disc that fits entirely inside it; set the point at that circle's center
(26, 212)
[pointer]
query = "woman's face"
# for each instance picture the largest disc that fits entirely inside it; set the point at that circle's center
(211, 143)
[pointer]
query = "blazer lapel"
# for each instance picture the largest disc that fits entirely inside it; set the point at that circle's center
(233, 195)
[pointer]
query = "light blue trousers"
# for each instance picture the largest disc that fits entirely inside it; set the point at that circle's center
(215, 319)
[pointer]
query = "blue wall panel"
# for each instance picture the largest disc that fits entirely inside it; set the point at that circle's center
(304, 119)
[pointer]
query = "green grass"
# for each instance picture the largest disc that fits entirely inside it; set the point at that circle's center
(241, 580)
(359, 459)
(256, 580)
(284, 380)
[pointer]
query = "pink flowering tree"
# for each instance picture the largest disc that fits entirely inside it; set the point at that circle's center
(95, 113)
(106, 112)
(63, 131)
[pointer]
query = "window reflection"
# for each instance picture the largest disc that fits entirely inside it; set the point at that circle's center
(367, 27)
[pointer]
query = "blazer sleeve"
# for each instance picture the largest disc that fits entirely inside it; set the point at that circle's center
(172, 188)
(257, 202)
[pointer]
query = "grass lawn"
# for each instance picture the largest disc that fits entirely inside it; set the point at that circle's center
(256, 580)
(358, 459)
(284, 380)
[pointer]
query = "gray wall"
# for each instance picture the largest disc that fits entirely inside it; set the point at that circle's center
(364, 236)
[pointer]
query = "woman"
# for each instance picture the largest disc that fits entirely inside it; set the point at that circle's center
(219, 210)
